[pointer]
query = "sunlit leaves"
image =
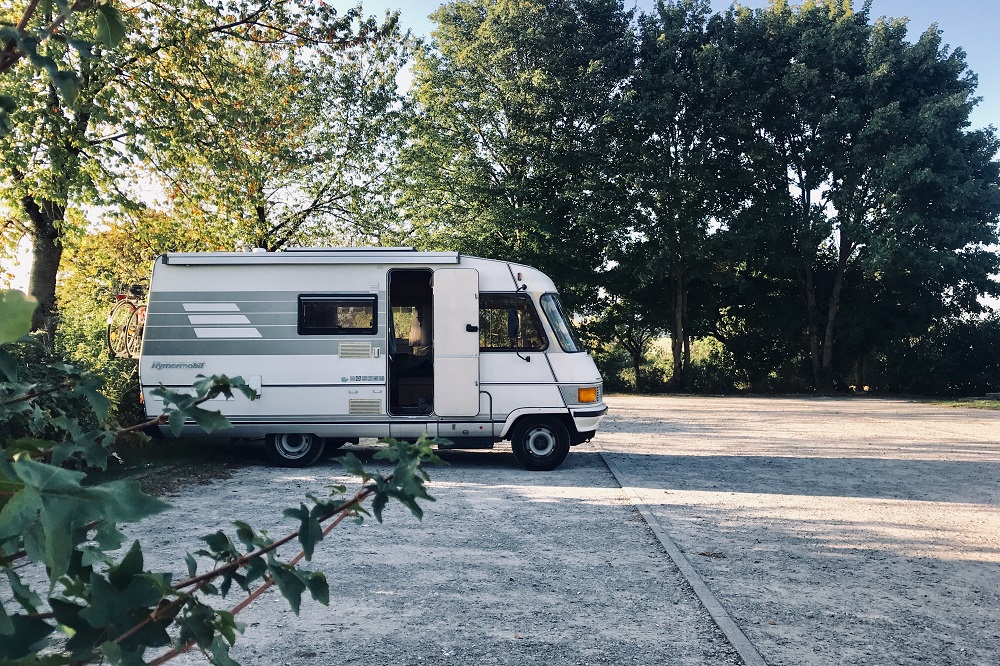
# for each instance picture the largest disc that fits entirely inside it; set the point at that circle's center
(15, 315)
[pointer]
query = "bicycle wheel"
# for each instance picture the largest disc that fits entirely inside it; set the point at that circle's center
(133, 338)
(118, 327)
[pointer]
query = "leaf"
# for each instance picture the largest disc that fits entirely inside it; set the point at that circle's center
(310, 531)
(66, 83)
(206, 420)
(289, 584)
(23, 594)
(176, 422)
(8, 365)
(108, 603)
(220, 653)
(15, 315)
(110, 28)
(90, 388)
(319, 588)
(195, 622)
(53, 504)
(84, 48)
(130, 567)
(28, 634)
(6, 626)
(256, 569)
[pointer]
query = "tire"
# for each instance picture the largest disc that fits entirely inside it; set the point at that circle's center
(118, 321)
(540, 443)
(293, 449)
(133, 336)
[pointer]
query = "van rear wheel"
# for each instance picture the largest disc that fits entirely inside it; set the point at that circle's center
(540, 444)
(295, 449)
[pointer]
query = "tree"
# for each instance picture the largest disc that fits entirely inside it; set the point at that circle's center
(294, 147)
(866, 165)
(513, 152)
(627, 324)
(682, 167)
(62, 151)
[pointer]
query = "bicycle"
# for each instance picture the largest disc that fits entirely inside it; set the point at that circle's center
(126, 323)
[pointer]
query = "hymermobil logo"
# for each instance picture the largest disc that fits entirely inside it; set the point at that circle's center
(194, 365)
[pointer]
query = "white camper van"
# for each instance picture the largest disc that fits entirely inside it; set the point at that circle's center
(373, 342)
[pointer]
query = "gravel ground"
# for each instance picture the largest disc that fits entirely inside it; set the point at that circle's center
(833, 531)
(507, 567)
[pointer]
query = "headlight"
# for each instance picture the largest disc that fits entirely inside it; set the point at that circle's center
(584, 395)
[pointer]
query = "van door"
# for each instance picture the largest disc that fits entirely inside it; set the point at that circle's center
(456, 342)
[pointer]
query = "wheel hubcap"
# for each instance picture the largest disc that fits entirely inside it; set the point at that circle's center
(294, 445)
(541, 441)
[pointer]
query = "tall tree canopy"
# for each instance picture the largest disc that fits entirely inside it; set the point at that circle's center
(514, 151)
(66, 150)
(872, 193)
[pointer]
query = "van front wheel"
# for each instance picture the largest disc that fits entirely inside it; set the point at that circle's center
(295, 449)
(540, 444)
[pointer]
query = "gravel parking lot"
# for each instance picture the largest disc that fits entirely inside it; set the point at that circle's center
(832, 531)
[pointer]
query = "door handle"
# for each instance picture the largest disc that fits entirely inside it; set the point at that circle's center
(471, 328)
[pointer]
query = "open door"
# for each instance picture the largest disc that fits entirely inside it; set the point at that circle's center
(456, 342)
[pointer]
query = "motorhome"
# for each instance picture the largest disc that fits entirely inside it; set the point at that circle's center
(373, 342)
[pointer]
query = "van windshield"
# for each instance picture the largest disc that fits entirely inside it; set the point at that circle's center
(561, 324)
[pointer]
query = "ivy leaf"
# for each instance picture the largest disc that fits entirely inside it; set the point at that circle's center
(15, 316)
(110, 28)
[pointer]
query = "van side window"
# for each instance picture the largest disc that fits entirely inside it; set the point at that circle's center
(329, 314)
(508, 322)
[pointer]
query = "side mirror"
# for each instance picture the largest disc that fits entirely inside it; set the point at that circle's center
(513, 326)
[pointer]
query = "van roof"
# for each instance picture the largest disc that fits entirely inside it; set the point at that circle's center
(334, 255)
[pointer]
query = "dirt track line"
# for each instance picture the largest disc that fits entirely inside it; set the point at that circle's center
(739, 641)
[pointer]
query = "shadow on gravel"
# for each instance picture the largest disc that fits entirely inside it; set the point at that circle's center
(886, 479)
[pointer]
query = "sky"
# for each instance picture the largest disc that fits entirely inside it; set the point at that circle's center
(969, 24)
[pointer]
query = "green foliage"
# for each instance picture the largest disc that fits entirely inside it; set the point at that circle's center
(113, 608)
(18, 309)
(956, 357)
(518, 126)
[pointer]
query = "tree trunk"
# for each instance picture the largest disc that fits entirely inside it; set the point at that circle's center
(812, 327)
(46, 253)
(678, 334)
(831, 315)
(636, 363)
(687, 353)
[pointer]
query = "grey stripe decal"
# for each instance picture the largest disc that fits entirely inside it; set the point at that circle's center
(191, 346)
